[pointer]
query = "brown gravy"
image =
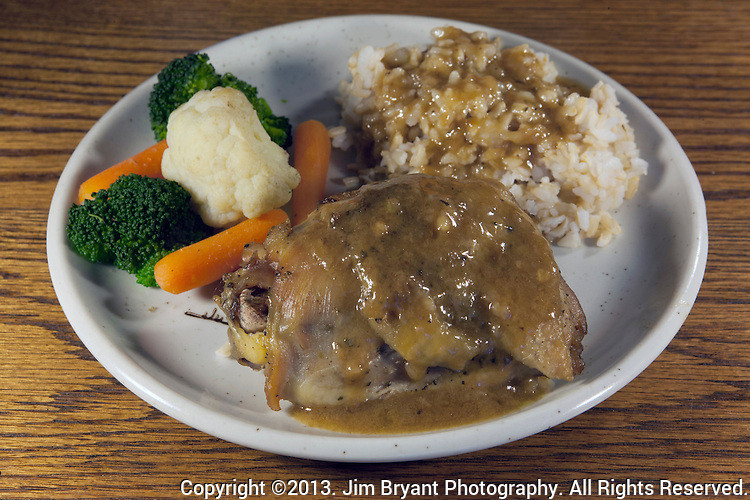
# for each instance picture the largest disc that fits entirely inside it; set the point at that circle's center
(479, 108)
(448, 406)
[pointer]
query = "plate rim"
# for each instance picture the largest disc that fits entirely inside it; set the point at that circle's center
(371, 448)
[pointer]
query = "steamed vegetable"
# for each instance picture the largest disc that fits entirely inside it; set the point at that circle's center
(220, 153)
(312, 152)
(134, 223)
(177, 83)
(183, 77)
(147, 162)
(208, 260)
(277, 127)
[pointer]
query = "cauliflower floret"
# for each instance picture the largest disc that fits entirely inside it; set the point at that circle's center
(219, 151)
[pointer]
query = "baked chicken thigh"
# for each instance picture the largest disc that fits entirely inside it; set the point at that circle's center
(413, 282)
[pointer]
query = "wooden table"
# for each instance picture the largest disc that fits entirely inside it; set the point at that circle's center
(70, 430)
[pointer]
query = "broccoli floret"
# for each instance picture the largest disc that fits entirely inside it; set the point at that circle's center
(177, 83)
(183, 77)
(278, 127)
(134, 223)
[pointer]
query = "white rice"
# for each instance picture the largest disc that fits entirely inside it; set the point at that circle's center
(571, 186)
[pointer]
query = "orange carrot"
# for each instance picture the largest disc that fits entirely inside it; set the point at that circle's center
(208, 260)
(312, 152)
(147, 162)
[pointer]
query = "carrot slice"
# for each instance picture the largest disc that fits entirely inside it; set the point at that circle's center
(208, 260)
(147, 163)
(312, 152)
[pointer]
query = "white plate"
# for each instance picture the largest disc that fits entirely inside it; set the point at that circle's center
(637, 292)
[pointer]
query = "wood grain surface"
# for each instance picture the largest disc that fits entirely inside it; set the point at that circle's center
(69, 430)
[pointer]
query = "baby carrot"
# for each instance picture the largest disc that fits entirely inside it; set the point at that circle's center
(147, 163)
(208, 260)
(312, 152)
